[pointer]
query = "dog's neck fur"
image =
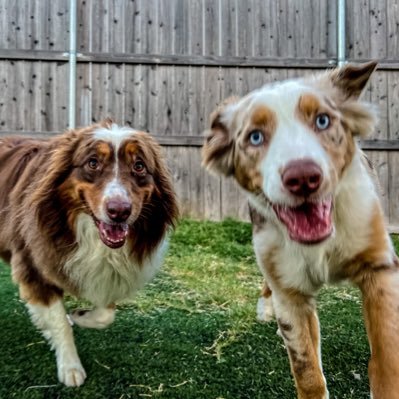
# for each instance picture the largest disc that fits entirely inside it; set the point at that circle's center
(104, 275)
(307, 268)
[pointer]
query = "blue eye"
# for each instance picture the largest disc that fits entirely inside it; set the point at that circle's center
(322, 121)
(256, 137)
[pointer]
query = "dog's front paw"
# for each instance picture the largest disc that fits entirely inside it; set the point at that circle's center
(264, 309)
(95, 318)
(71, 374)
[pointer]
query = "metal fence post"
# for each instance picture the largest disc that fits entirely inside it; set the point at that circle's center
(72, 64)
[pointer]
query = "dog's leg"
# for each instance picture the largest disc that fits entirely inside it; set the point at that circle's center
(95, 318)
(44, 302)
(264, 308)
(380, 289)
(52, 321)
(299, 326)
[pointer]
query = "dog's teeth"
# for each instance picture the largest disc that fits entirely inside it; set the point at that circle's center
(114, 241)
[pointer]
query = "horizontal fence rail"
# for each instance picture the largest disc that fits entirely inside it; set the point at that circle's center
(187, 60)
(198, 141)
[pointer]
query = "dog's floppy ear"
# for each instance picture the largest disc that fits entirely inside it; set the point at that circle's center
(218, 150)
(60, 162)
(359, 117)
(45, 197)
(351, 79)
(160, 209)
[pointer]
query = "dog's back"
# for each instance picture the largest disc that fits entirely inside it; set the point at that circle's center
(16, 154)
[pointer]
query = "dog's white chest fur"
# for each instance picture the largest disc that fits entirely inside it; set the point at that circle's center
(104, 275)
(307, 268)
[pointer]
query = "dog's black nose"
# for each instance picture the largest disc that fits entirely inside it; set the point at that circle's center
(302, 177)
(118, 210)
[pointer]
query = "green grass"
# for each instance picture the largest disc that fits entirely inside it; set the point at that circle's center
(190, 334)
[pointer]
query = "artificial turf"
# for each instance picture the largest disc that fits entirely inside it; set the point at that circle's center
(190, 334)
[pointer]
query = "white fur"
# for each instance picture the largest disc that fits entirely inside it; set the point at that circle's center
(264, 309)
(305, 268)
(291, 141)
(287, 311)
(308, 267)
(116, 134)
(53, 323)
(97, 318)
(106, 275)
(115, 189)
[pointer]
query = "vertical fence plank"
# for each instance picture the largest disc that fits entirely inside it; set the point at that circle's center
(100, 19)
(228, 15)
(378, 29)
(116, 92)
(210, 18)
(84, 91)
(393, 121)
(380, 159)
(358, 29)
(392, 7)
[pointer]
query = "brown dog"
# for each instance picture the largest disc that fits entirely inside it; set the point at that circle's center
(316, 213)
(87, 212)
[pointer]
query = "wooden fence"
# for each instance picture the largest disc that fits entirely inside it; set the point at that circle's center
(163, 65)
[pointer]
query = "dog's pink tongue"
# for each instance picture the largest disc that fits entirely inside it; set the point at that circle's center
(113, 235)
(309, 223)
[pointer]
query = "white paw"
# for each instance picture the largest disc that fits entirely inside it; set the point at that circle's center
(264, 309)
(71, 374)
(95, 318)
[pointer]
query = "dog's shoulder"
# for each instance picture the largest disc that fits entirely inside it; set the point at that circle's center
(258, 221)
(16, 153)
(371, 171)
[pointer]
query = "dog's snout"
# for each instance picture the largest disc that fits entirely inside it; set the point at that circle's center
(118, 210)
(302, 177)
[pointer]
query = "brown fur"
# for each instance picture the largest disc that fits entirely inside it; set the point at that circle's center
(364, 256)
(338, 141)
(46, 187)
(43, 187)
(380, 307)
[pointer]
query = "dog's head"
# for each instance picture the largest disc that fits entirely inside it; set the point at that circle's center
(289, 143)
(114, 174)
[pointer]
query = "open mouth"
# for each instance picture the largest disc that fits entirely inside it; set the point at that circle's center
(112, 235)
(309, 223)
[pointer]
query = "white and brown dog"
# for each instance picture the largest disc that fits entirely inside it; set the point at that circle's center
(316, 213)
(88, 213)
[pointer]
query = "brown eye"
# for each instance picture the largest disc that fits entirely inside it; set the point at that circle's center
(139, 167)
(93, 163)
